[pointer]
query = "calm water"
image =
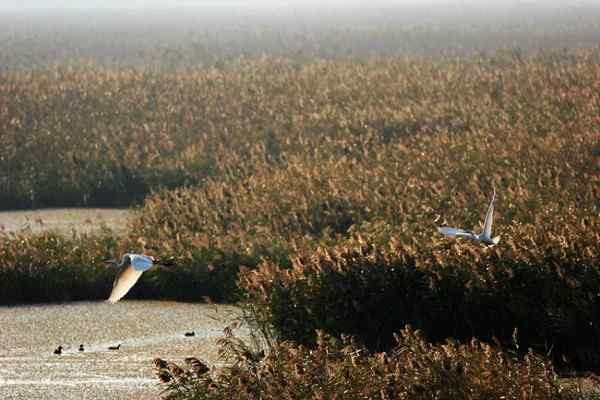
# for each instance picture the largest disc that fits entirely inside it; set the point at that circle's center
(65, 220)
(145, 330)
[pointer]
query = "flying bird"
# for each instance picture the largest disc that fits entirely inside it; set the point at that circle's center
(485, 236)
(131, 268)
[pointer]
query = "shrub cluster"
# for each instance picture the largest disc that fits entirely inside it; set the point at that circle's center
(51, 267)
(541, 290)
(342, 369)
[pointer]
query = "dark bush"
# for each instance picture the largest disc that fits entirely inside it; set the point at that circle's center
(546, 300)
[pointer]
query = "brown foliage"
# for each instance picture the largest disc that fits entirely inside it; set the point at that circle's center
(341, 369)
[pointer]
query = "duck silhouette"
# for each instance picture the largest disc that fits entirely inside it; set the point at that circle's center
(117, 347)
(192, 333)
(81, 347)
(58, 350)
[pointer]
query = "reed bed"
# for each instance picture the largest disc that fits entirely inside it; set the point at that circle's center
(339, 368)
(324, 182)
(51, 267)
(91, 135)
(543, 296)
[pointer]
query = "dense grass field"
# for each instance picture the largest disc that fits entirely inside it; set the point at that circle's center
(310, 190)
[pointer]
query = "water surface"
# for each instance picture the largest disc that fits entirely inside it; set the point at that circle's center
(65, 220)
(145, 330)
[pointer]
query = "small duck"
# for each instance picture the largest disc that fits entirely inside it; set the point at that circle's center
(81, 347)
(58, 350)
(192, 333)
(117, 347)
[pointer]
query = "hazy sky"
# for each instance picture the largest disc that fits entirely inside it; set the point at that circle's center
(116, 4)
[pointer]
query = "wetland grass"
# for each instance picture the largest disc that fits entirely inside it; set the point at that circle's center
(322, 182)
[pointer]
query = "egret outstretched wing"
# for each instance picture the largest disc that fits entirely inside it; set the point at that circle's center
(489, 218)
(127, 276)
(454, 232)
(130, 269)
(141, 262)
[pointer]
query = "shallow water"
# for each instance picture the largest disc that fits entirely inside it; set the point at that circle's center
(65, 220)
(145, 330)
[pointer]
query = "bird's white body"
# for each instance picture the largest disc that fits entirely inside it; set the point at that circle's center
(131, 268)
(485, 236)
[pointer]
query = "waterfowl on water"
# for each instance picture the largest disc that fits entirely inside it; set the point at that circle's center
(192, 333)
(81, 347)
(58, 350)
(117, 347)
(131, 268)
(485, 236)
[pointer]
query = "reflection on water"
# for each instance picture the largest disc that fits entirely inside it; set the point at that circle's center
(145, 329)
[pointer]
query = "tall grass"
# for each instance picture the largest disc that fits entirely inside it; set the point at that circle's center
(51, 267)
(546, 296)
(342, 369)
(298, 166)
(88, 135)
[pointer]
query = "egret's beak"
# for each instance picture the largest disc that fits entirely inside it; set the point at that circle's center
(110, 262)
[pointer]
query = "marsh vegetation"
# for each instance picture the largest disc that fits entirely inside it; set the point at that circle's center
(308, 185)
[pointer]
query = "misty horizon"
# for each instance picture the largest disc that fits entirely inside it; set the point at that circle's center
(35, 32)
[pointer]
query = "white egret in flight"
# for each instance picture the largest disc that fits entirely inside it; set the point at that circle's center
(131, 268)
(485, 236)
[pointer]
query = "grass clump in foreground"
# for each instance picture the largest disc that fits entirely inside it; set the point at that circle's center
(342, 369)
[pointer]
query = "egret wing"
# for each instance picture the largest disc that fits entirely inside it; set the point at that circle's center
(141, 262)
(489, 218)
(125, 279)
(454, 232)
